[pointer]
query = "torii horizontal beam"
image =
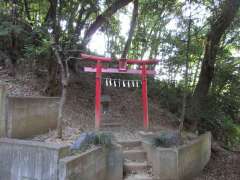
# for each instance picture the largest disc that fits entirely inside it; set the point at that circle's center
(115, 70)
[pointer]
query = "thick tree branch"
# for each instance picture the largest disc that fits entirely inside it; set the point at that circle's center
(101, 19)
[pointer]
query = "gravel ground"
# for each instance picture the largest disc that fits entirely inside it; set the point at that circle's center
(70, 134)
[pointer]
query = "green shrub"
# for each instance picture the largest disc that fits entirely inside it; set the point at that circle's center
(169, 94)
(231, 132)
(167, 139)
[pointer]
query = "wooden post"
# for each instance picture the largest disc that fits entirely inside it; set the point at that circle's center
(98, 95)
(145, 97)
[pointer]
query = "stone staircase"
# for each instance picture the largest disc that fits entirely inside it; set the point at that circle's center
(136, 166)
(108, 123)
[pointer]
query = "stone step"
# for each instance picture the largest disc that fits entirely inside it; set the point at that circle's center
(111, 124)
(130, 144)
(135, 155)
(139, 177)
(133, 167)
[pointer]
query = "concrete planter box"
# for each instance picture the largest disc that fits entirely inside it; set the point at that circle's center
(98, 163)
(29, 116)
(179, 163)
(29, 160)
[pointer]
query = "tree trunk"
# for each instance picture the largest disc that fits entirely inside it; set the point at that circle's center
(101, 19)
(217, 30)
(51, 87)
(186, 78)
(196, 73)
(64, 82)
(52, 84)
(131, 31)
(13, 50)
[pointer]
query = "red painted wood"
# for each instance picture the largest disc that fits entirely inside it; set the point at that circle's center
(98, 95)
(116, 70)
(145, 97)
(122, 65)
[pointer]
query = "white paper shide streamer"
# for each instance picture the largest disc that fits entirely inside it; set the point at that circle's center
(109, 82)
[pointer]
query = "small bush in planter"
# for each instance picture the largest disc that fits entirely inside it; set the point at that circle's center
(167, 139)
(89, 139)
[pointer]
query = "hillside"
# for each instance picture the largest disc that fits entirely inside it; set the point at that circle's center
(125, 106)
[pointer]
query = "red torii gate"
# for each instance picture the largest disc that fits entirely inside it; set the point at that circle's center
(99, 69)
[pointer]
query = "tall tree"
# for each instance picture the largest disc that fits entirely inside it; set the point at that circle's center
(53, 22)
(186, 68)
(218, 27)
(131, 31)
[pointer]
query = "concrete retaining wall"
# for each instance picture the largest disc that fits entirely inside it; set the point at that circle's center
(180, 163)
(96, 164)
(29, 160)
(29, 116)
(2, 111)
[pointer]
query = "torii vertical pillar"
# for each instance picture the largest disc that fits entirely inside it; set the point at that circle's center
(99, 61)
(98, 95)
(145, 97)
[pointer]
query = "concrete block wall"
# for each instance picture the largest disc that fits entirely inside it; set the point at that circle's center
(2, 110)
(29, 116)
(29, 160)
